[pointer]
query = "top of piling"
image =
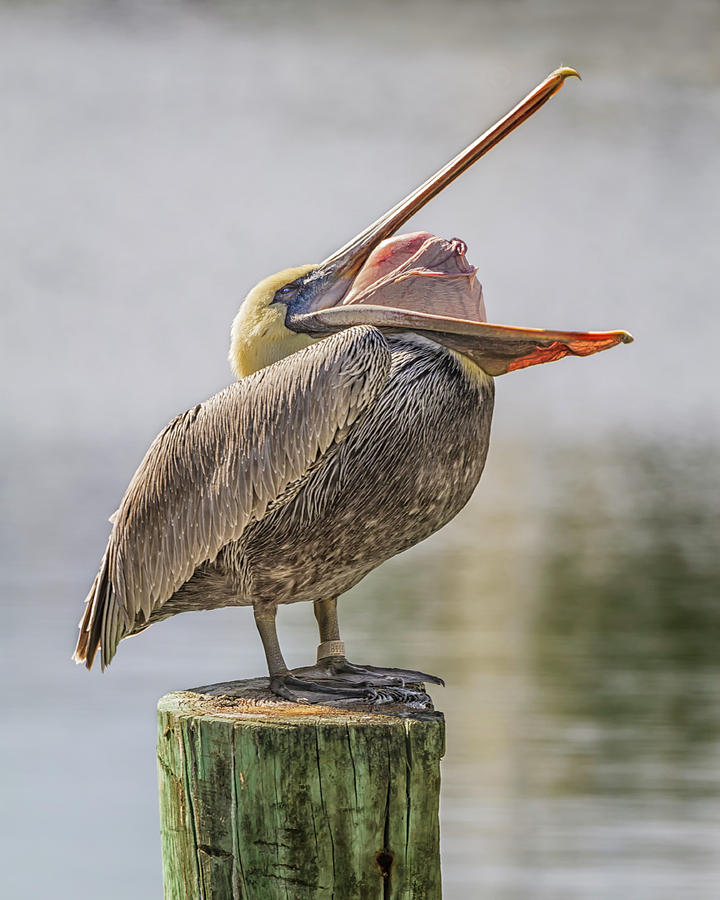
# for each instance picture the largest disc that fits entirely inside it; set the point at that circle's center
(252, 699)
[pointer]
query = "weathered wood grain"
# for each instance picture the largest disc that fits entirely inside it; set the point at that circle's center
(262, 799)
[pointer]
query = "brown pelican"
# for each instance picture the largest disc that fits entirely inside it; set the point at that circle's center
(358, 426)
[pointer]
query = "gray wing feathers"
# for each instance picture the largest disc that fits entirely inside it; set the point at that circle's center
(216, 468)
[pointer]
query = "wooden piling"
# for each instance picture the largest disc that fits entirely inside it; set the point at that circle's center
(263, 799)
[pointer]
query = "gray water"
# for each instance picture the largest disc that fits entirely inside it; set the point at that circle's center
(154, 163)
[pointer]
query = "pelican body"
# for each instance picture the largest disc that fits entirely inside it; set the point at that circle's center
(358, 426)
(368, 499)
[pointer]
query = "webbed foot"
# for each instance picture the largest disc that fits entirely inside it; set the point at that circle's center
(340, 681)
(344, 672)
(307, 690)
(334, 678)
(378, 674)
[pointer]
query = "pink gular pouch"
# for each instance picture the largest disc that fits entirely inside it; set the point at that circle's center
(423, 283)
(423, 273)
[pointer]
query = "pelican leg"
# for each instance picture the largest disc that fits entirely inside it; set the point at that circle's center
(285, 683)
(332, 660)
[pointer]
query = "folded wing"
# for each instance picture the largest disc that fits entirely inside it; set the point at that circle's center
(216, 468)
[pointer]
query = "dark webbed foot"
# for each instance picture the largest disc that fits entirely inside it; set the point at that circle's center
(334, 678)
(315, 684)
(379, 675)
(308, 690)
(341, 671)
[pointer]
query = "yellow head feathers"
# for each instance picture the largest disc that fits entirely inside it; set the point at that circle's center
(259, 336)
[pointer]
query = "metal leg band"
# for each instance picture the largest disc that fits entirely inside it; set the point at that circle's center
(330, 648)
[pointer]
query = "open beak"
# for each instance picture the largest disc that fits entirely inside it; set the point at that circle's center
(393, 285)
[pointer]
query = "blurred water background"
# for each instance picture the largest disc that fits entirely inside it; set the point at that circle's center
(157, 160)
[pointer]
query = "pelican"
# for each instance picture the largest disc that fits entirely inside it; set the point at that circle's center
(358, 425)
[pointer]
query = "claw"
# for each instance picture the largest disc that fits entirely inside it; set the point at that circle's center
(404, 675)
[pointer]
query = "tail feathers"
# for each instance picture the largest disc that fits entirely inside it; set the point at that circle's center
(91, 624)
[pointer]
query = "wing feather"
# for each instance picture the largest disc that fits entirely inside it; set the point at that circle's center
(216, 468)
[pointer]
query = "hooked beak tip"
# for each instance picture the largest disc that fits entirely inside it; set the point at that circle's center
(565, 72)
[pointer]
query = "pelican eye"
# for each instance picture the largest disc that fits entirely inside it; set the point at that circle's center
(288, 289)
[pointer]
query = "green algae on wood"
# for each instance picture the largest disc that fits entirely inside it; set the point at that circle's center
(262, 799)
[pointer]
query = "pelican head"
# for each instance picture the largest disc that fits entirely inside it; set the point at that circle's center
(404, 283)
(259, 335)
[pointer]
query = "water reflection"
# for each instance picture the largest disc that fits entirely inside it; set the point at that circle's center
(627, 624)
